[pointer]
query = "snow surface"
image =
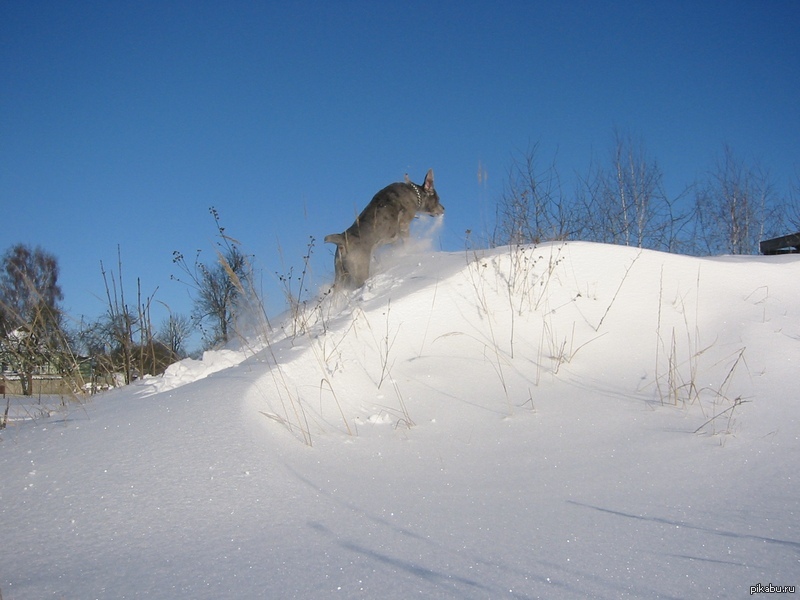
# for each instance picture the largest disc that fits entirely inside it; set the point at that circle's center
(563, 421)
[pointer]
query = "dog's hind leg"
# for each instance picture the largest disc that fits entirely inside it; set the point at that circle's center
(342, 276)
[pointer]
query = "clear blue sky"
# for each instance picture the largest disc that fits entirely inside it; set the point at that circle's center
(121, 123)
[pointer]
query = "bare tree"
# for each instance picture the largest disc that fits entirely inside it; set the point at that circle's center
(793, 207)
(125, 331)
(218, 287)
(31, 334)
(625, 202)
(95, 342)
(175, 330)
(532, 207)
(735, 207)
(119, 322)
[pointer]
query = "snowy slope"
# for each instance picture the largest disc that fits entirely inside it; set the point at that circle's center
(562, 421)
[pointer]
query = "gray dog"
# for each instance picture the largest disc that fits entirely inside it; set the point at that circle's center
(386, 219)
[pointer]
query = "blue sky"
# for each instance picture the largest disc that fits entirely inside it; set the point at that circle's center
(121, 123)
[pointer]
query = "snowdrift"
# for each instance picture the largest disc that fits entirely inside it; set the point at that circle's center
(569, 420)
(496, 332)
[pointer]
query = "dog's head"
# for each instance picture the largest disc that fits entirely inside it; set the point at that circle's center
(428, 198)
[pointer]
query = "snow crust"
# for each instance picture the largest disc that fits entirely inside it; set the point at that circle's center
(563, 421)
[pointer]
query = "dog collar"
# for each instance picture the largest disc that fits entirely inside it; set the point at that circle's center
(416, 189)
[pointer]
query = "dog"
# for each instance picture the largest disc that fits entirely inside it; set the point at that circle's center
(386, 219)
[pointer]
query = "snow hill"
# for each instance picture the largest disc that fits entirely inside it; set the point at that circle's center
(571, 420)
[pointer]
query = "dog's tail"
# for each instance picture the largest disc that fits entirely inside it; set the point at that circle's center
(335, 238)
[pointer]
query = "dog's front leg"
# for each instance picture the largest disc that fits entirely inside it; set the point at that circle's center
(404, 225)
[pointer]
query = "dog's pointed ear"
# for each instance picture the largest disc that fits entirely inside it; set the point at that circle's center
(428, 185)
(407, 179)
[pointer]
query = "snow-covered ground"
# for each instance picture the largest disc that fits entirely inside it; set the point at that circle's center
(563, 421)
